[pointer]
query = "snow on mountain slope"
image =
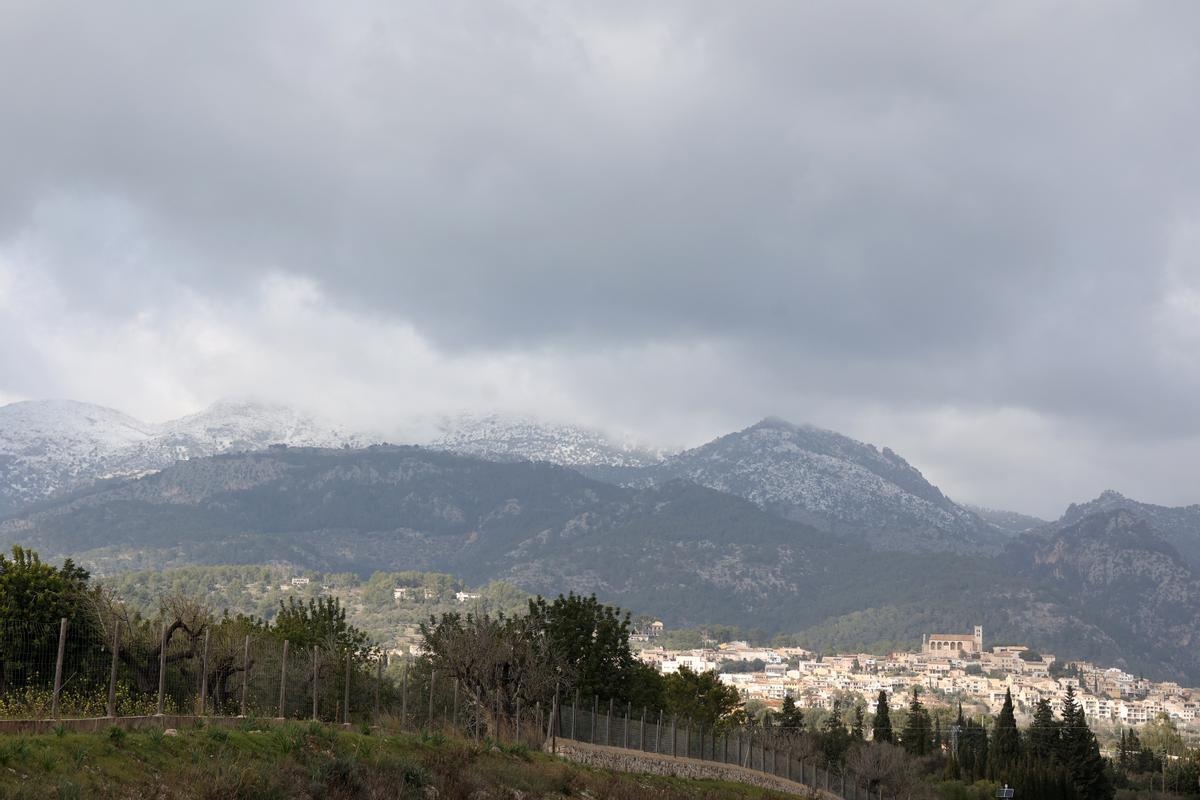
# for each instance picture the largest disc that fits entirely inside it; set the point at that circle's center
(53, 446)
(500, 438)
(832, 482)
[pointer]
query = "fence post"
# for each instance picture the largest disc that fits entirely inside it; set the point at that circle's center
(454, 715)
(608, 724)
(537, 706)
(245, 673)
(658, 733)
(112, 672)
(283, 682)
(789, 764)
(674, 735)
(595, 713)
(554, 721)
(204, 674)
(574, 713)
(378, 683)
(58, 666)
(496, 710)
(404, 698)
(642, 736)
(517, 724)
(429, 719)
(162, 668)
(346, 704)
(628, 716)
(687, 738)
(315, 676)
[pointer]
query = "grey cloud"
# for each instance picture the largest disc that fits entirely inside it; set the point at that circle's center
(921, 205)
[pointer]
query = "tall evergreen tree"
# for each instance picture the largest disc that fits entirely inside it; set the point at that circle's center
(1044, 733)
(972, 748)
(1006, 740)
(917, 728)
(856, 728)
(1081, 753)
(881, 728)
(791, 718)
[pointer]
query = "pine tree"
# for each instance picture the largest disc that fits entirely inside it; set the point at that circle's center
(1006, 740)
(917, 728)
(1081, 753)
(881, 729)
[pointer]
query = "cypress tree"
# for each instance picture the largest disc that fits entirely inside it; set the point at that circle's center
(856, 730)
(1006, 740)
(881, 729)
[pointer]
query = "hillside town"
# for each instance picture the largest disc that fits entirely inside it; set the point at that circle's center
(949, 668)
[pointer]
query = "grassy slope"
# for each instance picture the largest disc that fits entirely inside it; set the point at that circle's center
(302, 761)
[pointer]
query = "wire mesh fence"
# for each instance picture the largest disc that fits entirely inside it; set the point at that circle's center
(773, 752)
(49, 672)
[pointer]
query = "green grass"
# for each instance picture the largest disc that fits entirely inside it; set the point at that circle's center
(298, 760)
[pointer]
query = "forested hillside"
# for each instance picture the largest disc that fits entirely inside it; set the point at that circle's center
(681, 552)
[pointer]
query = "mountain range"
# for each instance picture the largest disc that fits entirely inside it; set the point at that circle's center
(819, 477)
(787, 528)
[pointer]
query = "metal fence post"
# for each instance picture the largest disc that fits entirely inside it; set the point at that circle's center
(162, 668)
(112, 672)
(245, 673)
(595, 713)
(58, 666)
(658, 733)
(204, 674)
(574, 713)
(674, 735)
(404, 698)
(429, 719)
(283, 682)
(496, 710)
(315, 677)
(346, 704)
(378, 684)
(628, 715)
(642, 734)
(608, 724)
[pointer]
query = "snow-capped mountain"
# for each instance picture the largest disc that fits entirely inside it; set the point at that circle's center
(499, 438)
(829, 481)
(52, 446)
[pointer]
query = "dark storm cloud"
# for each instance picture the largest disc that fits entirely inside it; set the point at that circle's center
(920, 205)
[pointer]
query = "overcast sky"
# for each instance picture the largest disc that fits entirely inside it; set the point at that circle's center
(970, 230)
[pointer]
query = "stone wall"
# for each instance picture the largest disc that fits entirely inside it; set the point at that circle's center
(621, 760)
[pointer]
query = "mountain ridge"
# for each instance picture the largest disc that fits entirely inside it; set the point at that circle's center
(688, 554)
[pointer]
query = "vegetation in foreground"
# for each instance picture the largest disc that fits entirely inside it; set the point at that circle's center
(308, 760)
